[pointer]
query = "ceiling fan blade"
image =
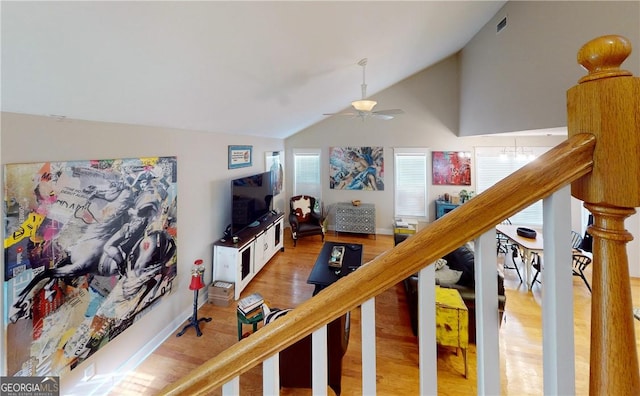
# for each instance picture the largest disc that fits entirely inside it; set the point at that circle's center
(341, 114)
(382, 116)
(389, 112)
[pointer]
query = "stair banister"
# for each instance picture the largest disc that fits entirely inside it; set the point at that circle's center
(606, 103)
(542, 176)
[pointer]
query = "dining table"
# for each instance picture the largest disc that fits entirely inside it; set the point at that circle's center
(528, 247)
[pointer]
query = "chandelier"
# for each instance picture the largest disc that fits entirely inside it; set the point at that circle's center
(520, 153)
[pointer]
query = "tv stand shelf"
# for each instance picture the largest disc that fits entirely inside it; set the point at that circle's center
(240, 262)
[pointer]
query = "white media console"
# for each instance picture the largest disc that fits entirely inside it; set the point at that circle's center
(240, 262)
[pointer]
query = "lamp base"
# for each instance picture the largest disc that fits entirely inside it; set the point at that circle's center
(193, 320)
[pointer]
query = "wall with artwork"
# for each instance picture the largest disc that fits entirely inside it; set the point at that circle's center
(200, 173)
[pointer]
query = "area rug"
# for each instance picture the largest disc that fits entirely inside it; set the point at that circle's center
(636, 312)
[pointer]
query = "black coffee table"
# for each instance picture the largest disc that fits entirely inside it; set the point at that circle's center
(322, 275)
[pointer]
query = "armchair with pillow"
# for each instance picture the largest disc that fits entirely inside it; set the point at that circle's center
(305, 217)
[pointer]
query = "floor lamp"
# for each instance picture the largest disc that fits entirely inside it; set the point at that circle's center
(196, 284)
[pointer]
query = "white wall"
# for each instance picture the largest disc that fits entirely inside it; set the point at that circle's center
(517, 79)
(203, 206)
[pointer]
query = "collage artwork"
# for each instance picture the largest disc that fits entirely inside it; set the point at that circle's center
(356, 168)
(89, 247)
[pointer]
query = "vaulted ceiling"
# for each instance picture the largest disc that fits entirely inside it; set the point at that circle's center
(255, 68)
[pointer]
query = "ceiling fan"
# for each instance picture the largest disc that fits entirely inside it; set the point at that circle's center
(363, 108)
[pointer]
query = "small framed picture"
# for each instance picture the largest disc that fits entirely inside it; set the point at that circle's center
(240, 156)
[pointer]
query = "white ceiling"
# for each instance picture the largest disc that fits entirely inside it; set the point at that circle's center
(256, 68)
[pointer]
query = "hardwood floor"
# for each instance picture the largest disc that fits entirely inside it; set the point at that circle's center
(283, 283)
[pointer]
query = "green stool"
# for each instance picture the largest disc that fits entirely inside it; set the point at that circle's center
(254, 320)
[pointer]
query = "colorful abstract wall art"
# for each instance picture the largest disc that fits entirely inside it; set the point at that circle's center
(356, 168)
(90, 246)
(451, 168)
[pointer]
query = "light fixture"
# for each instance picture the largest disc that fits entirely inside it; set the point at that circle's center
(363, 105)
(520, 153)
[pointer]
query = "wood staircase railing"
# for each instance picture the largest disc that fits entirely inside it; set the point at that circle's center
(599, 158)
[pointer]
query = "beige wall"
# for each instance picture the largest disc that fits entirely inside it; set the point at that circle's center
(203, 207)
(517, 79)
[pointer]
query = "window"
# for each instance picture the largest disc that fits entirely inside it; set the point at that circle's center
(495, 163)
(306, 172)
(410, 191)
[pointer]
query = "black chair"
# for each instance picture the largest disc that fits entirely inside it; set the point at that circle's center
(503, 245)
(502, 242)
(580, 263)
(305, 217)
(536, 263)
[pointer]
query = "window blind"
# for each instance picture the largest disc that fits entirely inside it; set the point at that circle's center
(306, 173)
(495, 163)
(410, 188)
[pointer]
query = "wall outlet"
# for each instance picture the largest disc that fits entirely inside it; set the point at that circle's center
(89, 372)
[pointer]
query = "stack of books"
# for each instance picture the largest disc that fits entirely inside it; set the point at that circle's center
(403, 226)
(251, 305)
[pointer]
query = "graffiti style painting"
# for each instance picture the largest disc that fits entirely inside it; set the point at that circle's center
(451, 167)
(356, 168)
(89, 247)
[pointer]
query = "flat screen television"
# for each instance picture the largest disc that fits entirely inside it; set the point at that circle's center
(251, 199)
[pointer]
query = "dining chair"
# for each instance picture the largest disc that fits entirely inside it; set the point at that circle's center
(536, 263)
(502, 242)
(503, 245)
(580, 263)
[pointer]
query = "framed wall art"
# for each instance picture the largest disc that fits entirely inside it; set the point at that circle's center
(356, 168)
(90, 247)
(451, 168)
(240, 156)
(274, 162)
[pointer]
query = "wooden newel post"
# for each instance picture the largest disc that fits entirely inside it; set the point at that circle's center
(606, 103)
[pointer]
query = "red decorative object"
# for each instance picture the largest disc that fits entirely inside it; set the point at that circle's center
(197, 275)
(197, 283)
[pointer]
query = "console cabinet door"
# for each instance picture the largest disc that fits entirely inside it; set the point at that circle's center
(234, 265)
(262, 250)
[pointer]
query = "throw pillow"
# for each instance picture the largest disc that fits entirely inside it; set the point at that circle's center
(270, 315)
(440, 263)
(445, 276)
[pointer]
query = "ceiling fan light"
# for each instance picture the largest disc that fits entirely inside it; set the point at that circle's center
(363, 105)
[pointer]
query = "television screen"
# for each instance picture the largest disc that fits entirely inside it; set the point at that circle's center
(251, 200)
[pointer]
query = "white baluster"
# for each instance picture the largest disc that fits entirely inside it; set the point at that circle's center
(557, 299)
(319, 375)
(271, 375)
(368, 326)
(487, 322)
(231, 388)
(427, 331)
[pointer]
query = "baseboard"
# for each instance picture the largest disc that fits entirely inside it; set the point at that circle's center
(143, 353)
